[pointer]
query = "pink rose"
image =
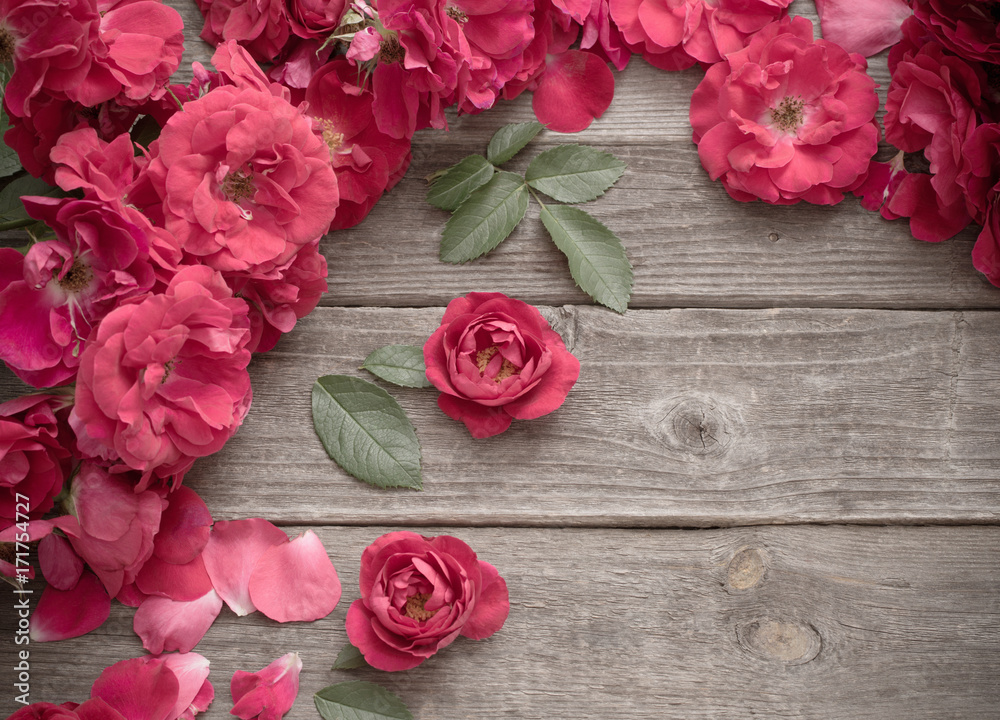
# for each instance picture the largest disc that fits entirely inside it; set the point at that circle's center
(315, 19)
(261, 26)
(163, 380)
(788, 118)
(418, 594)
(969, 28)
(34, 459)
(67, 285)
(244, 180)
(495, 359)
(95, 709)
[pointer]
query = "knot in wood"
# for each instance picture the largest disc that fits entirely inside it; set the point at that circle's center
(746, 569)
(694, 426)
(791, 643)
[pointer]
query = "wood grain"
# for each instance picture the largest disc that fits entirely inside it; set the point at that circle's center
(795, 622)
(680, 418)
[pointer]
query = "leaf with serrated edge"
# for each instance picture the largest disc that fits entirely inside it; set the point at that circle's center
(597, 259)
(574, 173)
(450, 189)
(11, 207)
(349, 658)
(399, 364)
(509, 140)
(484, 220)
(9, 162)
(366, 432)
(359, 700)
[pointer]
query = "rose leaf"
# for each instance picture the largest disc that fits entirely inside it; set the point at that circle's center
(399, 364)
(597, 259)
(9, 162)
(358, 700)
(509, 140)
(485, 219)
(451, 187)
(349, 658)
(366, 432)
(574, 173)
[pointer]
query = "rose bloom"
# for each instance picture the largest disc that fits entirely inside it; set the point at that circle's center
(418, 594)
(786, 119)
(495, 359)
(969, 28)
(163, 379)
(34, 459)
(262, 26)
(95, 709)
(245, 182)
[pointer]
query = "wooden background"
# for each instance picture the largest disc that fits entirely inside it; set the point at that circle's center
(773, 493)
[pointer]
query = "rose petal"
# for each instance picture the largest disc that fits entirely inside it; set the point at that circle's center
(164, 624)
(184, 527)
(492, 607)
(295, 581)
(231, 554)
(139, 689)
(60, 565)
(63, 614)
(576, 88)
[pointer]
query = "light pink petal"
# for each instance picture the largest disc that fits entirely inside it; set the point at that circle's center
(269, 693)
(492, 607)
(140, 689)
(164, 624)
(295, 581)
(191, 670)
(576, 88)
(184, 527)
(63, 614)
(862, 26)
(60, 564)
(231, 554)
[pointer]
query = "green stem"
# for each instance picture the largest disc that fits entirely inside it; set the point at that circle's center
(15, 224)
(179, 103)
(537, 200)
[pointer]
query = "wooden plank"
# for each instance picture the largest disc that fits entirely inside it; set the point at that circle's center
(691, 244)
(833, 622)
(680, 418)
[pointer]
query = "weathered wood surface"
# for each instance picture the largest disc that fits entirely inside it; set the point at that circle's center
(793, 622)
(680, 418)
(690, 243)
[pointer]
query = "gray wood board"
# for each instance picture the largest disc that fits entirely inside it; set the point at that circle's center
(792, 622)
(680, 418)
(691, 244)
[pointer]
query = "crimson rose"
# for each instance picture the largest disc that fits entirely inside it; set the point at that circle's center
(418, 594)
(495, 359)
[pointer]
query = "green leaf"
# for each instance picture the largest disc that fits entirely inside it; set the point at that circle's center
(12, 212)
(596, 256)
(399, 364)
(574, 173)
(483, 221)
(359, 700)
(509, 140)
(145, 131)
(9, 162)
(366, 432)
(349, 658)
(451, 187)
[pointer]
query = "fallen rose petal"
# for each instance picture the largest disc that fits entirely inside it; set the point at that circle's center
(862, 26)
(195, 693)
(140, 689)
(164, 624)
(269, 693)
(577, 88)
(60, 564)
(63, 614)
(295, 581)
(231, 554)
(181, 583)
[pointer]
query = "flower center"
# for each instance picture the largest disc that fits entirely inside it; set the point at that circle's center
(507, 368)
(78, 277)
(788, 115)
(390, 51)
(457, 15)
(415, 607)
(167, 369)
(8, 43)
(331, 137)
(238, 185)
